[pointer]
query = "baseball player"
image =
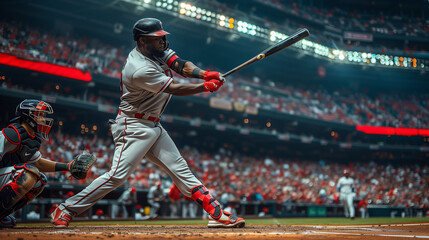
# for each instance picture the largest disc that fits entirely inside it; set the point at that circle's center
(154, 197)
(129, 196)
(146, 88)
(346, 188)
(21, 164)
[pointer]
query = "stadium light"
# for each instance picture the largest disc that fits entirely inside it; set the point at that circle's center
(243, 27)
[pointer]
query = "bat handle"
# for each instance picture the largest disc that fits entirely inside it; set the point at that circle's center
(222, 79)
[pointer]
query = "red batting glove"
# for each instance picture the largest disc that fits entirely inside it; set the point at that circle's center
(212, 85)
(209, 75)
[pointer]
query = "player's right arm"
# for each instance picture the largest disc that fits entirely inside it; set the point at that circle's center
(185, 89)
(339, 185)
(150, 79)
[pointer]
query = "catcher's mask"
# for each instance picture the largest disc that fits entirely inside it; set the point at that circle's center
(150, 27)
(34, 113)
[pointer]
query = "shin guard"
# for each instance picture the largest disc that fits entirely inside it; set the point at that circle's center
(23, 188)
(201, 195)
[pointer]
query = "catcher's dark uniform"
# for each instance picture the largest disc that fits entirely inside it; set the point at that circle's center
(20, 180)
(18, 150)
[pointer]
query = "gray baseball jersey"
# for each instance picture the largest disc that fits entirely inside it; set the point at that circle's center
(143, 83)
(345, 185)
(135, 136)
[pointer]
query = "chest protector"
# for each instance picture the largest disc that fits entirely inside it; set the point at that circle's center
(27, 145)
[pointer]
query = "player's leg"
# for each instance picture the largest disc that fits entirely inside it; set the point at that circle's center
(345, 206)
(192, 210)
(115, 211)
(154, 207)
(165, 154)
(185, 209)
(124, 211)
(350, 205)
(20, 185)
(173, 208)
(362, 212)
(133, 139)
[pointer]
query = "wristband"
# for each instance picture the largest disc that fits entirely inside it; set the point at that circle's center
(59, 167)
(196, 72)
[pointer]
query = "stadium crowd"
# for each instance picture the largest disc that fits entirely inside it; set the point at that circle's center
(85, 54)
(358, 20)
(235, 177)
(345, 106)
(338, 20)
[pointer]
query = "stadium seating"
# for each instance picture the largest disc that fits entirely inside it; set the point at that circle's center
(248, 178)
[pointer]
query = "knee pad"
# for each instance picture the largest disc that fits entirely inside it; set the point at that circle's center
(32, 194)
(201, 195)
(27, 182)
(37, 188)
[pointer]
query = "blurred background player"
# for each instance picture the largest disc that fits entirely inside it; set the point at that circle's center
(99, 214)
(189, 208)
(146, 88)
(175, 197)
(128, 197)
(154, 197)
(363, 206)
(21, 163)
(346, 188)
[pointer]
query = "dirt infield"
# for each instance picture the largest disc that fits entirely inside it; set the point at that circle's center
(390, 231)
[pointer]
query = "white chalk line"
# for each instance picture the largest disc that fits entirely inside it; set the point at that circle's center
(373, 235)
(367, 226)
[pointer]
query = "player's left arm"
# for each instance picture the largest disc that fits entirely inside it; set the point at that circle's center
(78, 167)
(46, 165)
(187, 68)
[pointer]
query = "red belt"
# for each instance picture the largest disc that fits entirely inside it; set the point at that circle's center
(141, 116)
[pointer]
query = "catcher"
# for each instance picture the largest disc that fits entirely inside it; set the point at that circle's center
(21, 164)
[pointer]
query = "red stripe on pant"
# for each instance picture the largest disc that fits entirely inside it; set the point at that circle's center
(119, 160)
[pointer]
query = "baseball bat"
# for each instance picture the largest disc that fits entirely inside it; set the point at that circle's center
(295, 37)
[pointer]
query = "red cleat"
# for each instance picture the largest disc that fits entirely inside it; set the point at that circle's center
(232, 222)
(60, 218)
(8, 222)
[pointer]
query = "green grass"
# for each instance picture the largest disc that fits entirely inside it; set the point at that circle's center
(271, 221)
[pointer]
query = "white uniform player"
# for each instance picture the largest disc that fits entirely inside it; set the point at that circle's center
(146, 87)
(346, 188)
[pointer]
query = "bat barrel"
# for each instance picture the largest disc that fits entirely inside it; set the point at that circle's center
(295, 37)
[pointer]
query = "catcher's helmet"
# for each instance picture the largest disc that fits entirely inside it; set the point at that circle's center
(148, 27)
(33, 112)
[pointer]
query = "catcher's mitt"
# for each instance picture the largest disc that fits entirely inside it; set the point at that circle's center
(80, 164)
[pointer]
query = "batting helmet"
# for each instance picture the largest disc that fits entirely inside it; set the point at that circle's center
(346, 172)
(33, 112)
(148, 27)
